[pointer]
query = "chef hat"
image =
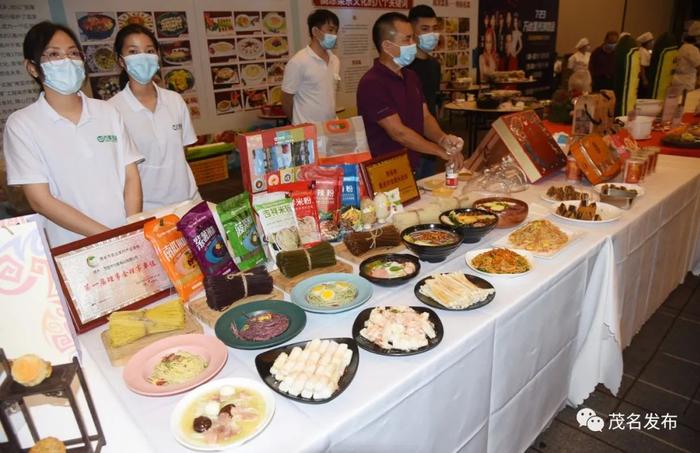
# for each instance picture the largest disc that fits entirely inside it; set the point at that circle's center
(645, 37)
(624, 33)
(582, 43)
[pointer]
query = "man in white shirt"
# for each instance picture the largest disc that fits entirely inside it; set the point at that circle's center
(312, 75)
(685, 74)
(646, 44)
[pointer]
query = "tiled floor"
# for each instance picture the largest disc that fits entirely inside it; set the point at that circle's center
(661, 375)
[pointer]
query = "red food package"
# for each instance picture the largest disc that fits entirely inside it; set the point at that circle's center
(307, 217)
(328, 189)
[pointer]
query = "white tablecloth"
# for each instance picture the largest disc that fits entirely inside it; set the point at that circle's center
(501, 372)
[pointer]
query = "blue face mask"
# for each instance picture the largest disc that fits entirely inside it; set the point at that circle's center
(428, 41)
(142, 66)
(328, 41)
(406, 55)
(609, 46)
(64, 76)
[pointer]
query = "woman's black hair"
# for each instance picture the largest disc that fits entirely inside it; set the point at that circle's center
(131, 29)
(36, 40)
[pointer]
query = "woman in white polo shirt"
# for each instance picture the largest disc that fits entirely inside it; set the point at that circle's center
(71, 154)
(158, 121)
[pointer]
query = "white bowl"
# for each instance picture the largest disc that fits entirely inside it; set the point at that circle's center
(640, 127)
(649, 107)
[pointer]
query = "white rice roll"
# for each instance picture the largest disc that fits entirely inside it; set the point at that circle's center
(326, 357)
(348, 357)
(310, 386)
(339, 355)
(279, 363)
(298, 385)
(314, 345)
(299, 365)
(288, 382)
(324, 345)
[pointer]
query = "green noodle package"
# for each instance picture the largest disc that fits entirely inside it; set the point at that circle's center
(237, 218)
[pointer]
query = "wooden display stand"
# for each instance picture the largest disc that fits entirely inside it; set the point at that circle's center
(287, 284)
(342, 251)
(202, 311)
(120, 355)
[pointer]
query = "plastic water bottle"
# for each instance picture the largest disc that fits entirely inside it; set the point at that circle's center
(451, 174)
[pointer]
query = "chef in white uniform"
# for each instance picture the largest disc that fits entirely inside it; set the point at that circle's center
(71, 154)
(685, 74)
(578, 61)
(646, 44)
(157, 119)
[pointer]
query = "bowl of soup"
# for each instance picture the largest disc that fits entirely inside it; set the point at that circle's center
(432, 242)
(473, 223)
(510, 211)
(390, 269)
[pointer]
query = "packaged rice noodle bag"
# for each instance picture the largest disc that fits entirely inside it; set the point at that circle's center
(238, 221)
(175, 255)
(328, 189)
(206, 243)
(279, 225)
(306, 213)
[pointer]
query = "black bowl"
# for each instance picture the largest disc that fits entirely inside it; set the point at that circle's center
(471, 234)
(396, 281)
(430, 253)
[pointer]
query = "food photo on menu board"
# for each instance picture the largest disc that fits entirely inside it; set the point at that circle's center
(222, 50)
(218, 23)
(249, 48)
(143, 18)
(100, 58)
(274, 23)
(176, 53)
(228, 102)
(253, 74)
(247, 22)
(276, 47)
(96, 26)
(171, 24)
(180, 80)
(225, 76)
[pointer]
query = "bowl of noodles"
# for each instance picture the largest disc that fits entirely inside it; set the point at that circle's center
(473, 223)
(432, 242)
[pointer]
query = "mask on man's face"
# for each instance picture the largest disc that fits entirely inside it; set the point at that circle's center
(609, 46)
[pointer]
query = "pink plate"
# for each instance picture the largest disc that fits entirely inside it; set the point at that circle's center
(141, 364)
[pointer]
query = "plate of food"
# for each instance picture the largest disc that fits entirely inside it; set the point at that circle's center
(331, 293)
(222, 48)
(253, 74)
(95, 26)
(104, 87)
(634, 188)
(432, 242)
(176, 53)
(397, 330)
(540, 237)
(225, 75)
(221, 414)
(250, 48)
(175, 364)
(510, 211)
(454, 291)
(143, 18)
(247, 22)
(179, 80)
(314, 371)
(584, 212)
(275, 72)
(274, 23)
(260, 324)
(500, 262)
(100, 58)
(276, 46)
(472, 223)
(556, 194)
(684, 136)
(390, 269)
(171, 24)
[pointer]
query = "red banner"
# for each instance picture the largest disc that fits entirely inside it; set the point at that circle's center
(376, 4)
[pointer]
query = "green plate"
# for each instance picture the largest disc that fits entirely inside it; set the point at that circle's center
(239, 315)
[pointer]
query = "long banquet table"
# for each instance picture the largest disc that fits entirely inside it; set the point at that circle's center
(501, 373)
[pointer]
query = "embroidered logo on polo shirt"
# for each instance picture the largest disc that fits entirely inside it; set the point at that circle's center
(107, 138)
(177, 127)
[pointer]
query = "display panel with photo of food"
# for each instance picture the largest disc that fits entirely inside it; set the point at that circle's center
(247, 22)
(225, 76)
(218, 23)
(176, 53)
(104, 87)
(463, 25)
(171, 24)
(179, 79)
(96, 26)
(228, 102)
(440, 25)
(451, 24)
(254, 98)
(249, 48)
(275, 72)
(463, 59)
(143, 18)
(275, 95)
(463, 42)
(222, 50)
(193, 106)
(253, 74)
(276, 47)
(274, 22)
(100, 58)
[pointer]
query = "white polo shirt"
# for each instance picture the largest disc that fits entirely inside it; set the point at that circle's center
(84, 164)
(161, 136)
(313, 84)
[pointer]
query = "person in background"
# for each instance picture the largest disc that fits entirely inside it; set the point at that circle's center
(578, 61)
(157, 119)
(601, 65)
(424, 23)
(685, 74)
(71, 154)
(517, 42)
(313, 73)
(563, 100)
(391, 102)
(646, 44)
(510, 62)
(488, 60)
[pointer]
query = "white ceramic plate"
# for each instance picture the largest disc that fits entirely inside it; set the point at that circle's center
(591, 195)
(573, 235)
(473, 253)
(184, 403)
(607, 212)
(638, 188)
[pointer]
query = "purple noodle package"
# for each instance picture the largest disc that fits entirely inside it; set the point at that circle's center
(199, 229)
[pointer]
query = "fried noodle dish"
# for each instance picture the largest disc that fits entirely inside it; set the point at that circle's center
(539, 236)
(501, 261)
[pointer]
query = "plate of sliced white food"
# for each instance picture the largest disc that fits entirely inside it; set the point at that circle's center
(397, 330)
(314, 371)
(454, 291)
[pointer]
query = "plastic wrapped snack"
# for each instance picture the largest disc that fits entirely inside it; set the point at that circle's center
(238, 222)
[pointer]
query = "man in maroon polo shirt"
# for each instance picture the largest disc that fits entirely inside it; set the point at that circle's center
(391, 102)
